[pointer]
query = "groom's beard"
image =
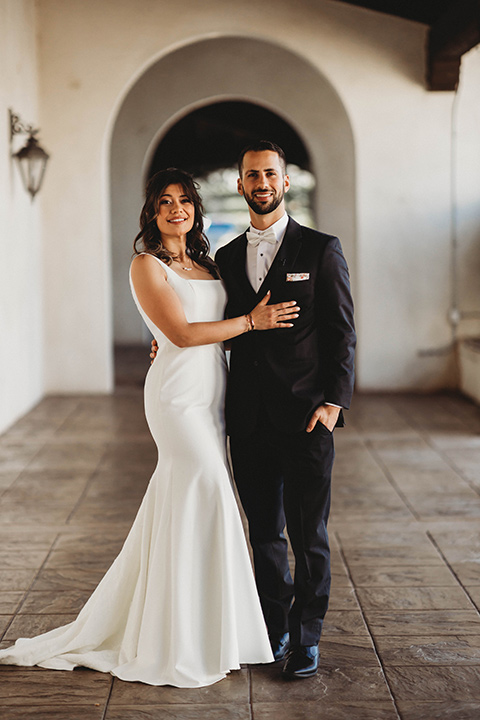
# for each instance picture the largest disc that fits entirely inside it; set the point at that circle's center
(264, 208)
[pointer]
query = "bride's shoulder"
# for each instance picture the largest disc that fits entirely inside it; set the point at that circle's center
(146, 264)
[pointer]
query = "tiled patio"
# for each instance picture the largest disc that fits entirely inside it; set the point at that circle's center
(402, 637)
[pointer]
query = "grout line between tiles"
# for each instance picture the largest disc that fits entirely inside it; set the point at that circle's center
(440, 552)
(85, 490)
(426, 437)
(44, 443)
(27, 591)
(372, 639)
(68, 416)
(389, 477)
(451, 464)
(250, 695)
(107, 701)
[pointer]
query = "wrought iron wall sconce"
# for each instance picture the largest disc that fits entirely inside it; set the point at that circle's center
(31, 158)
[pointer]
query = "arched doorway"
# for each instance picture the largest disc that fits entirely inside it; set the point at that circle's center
(219, 70)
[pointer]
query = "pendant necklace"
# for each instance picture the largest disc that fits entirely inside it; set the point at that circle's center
(188, 269)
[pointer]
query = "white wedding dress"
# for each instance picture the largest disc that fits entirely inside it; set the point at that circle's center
(179, 605)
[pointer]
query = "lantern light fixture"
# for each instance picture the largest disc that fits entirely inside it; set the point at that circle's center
(31, 158)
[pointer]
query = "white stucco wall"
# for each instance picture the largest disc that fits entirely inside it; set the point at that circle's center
(21, 323)
(92, 53)
(466, 195)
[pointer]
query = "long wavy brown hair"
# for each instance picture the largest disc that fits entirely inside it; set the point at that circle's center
(149, 239)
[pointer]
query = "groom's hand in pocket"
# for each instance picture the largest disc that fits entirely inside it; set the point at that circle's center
(327, 415)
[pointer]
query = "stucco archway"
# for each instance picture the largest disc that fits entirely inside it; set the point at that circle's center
(227, 68)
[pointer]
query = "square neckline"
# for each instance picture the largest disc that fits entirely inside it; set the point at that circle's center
(164, 264)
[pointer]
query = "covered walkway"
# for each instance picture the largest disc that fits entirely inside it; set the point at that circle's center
(402, 637)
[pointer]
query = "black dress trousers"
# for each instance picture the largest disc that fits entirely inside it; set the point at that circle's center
(285, 479)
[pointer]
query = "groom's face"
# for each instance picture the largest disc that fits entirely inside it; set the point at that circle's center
(263, 182)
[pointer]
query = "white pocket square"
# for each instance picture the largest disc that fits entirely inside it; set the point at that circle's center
(295, 277)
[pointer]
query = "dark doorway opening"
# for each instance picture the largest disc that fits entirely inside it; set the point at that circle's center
(213, 136)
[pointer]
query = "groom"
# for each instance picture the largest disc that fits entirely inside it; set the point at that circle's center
(285, 394)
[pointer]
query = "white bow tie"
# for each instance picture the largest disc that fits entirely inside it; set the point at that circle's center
(254, 236)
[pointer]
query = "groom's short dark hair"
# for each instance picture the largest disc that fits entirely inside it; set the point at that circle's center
(261, 146)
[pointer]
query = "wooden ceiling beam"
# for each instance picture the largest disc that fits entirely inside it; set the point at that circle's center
(454, 33)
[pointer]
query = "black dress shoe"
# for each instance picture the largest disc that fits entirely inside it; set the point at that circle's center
(301, 662)
(280, 645)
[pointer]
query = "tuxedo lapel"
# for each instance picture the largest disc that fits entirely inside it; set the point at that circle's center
(285, 257)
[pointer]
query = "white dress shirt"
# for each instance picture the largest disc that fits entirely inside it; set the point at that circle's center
(261, 256)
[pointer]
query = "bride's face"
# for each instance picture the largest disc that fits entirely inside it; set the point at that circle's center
(176, 213)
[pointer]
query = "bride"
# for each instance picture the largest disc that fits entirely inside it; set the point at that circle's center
(179, 605)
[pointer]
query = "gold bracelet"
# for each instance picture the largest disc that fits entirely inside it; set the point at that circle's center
(250, 323)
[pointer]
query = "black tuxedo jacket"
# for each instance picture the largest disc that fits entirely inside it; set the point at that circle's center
(288, 373)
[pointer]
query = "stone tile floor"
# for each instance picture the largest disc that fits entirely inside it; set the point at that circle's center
(402, 637)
